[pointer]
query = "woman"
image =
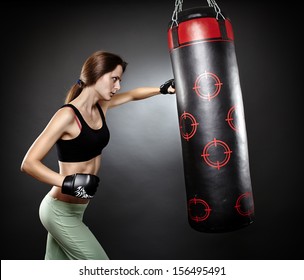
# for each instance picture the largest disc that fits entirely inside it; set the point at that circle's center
(79, 131)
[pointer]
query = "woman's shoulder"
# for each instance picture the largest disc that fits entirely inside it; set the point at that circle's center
(65, 114)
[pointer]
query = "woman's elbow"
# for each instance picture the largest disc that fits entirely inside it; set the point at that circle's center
(23, 166)
(26, 166)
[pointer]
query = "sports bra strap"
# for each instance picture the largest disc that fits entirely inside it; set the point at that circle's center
(77, 116)
(74, 109)
(101, 112)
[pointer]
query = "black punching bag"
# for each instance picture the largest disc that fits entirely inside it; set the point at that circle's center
(211, 120)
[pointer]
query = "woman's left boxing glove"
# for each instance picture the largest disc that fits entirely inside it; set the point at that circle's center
(80, 185)
(164, 88)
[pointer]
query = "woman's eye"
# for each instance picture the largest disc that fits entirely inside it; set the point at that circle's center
(115, 79)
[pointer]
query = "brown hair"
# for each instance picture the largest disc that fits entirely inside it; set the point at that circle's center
(98, 64)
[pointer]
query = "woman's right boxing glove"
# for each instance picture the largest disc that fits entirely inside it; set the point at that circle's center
(80, 185)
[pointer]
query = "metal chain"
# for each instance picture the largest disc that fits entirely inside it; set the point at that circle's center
(216, 7)
(178, 8)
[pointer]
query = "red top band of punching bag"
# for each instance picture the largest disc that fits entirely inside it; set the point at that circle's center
(202, 26)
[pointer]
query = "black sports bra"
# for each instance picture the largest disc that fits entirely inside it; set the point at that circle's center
(88, 144)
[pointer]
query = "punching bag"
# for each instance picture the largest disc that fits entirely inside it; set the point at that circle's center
(211, 119)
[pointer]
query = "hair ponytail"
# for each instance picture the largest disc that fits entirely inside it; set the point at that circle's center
(74, 91)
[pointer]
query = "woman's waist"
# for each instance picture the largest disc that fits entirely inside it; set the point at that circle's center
(86, 167)
(68, 168)
(56, 193)
(64, 207)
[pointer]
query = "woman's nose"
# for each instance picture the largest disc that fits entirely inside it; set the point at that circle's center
(117, 85)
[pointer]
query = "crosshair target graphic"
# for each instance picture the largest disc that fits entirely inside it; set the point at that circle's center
(216, 154)
(244, 204)
(188, 125)
(198, 209)
(230, 119)
(207, 85)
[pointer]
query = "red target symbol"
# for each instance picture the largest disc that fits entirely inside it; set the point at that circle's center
(244, 204)
(230, 119)
(198, 209)
(207, 85)
(216, 153)
(188, 125)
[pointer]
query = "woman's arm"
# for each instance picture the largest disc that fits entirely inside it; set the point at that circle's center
(133, 95)
(141, 93)
(32, 162)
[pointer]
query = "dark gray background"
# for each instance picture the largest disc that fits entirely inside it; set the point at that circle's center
(140, 210)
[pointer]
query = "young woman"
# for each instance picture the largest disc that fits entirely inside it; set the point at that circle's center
(79, 131)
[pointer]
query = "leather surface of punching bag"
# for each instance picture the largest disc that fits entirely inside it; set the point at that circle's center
(211, 121)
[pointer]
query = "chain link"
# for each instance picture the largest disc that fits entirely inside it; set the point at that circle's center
(216, 7)
(179, 7)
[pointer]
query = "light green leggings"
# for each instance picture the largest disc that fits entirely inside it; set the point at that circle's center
(68, 237)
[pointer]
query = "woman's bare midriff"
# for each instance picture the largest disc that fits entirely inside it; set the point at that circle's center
(91, 166)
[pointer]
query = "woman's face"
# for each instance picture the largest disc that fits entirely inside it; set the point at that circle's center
(108, 84)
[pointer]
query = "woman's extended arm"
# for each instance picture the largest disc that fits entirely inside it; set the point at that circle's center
(141, 93)
(133, 95)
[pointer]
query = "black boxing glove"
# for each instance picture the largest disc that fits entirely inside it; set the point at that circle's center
(80, 185)
(164, 87)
